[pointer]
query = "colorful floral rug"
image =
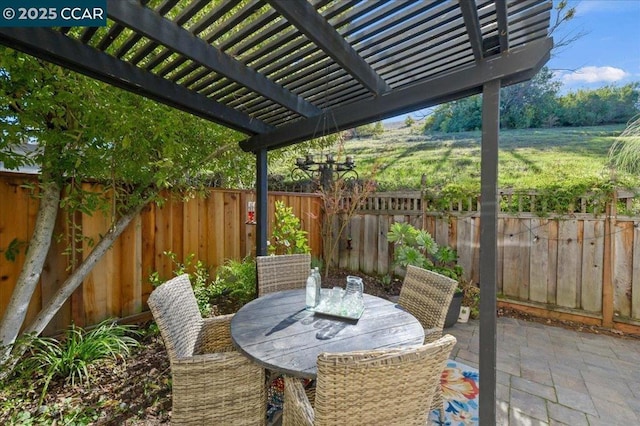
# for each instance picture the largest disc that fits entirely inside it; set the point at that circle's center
(459, 386)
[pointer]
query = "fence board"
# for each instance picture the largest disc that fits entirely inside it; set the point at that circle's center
(516, 260)
(592, 257)
(475, 269)
(203, 226)
(442, 231)
(176, 211)
(231, 213)
(340, 255)
(314, 214)
(539, 270)
(216, 228)
(190, 225)
(622, 268)
(553, 262)
(95, 288)
(429, 224)
(569, 262)
(382, 265)
(148, 249)
(369, 251)
(464, 242)
(162, 239)
(245, 248)
(12, 226)
(356, 243)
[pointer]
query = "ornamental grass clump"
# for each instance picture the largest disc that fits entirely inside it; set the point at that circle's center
(73, 357)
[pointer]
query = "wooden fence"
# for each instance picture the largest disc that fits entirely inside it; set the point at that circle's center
(581, 266)
(214, 228)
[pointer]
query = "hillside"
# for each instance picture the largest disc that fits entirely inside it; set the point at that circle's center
(528, 159)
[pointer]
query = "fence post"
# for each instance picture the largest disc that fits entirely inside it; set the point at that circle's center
(607, 263)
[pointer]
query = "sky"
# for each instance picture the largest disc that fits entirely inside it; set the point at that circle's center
(605, 52)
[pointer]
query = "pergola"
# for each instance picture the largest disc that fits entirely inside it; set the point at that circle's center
(277, 70)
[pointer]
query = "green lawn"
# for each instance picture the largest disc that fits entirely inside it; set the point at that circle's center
(528, 159)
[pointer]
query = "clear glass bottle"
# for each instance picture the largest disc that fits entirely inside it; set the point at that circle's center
(316, 273)
(313, 290)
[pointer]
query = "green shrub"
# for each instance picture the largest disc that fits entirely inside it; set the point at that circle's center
(238, 280)
(418, 248)
(198, 275)
(72, 357)
(287, 236)
(234, 283)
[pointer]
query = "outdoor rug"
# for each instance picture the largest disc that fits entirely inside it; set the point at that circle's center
(459, 386)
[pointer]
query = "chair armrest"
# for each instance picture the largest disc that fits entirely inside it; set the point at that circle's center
(215, 335)
(431, 335)
(297, 409)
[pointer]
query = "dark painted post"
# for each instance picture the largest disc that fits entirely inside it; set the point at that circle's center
(261, 204)
(488, 250)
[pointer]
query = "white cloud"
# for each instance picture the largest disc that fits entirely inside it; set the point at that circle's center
(595, 75)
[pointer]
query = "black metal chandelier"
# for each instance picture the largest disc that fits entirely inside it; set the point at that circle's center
(324, 172)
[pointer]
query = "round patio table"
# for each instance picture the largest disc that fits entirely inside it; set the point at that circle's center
(279, 333)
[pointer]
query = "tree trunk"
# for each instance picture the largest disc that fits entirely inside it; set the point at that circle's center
(36, 255)
(75, 279)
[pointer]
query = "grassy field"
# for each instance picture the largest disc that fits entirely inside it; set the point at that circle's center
(528, 159)
(561, 164)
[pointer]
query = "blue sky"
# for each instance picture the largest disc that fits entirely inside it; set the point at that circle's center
(607, 53)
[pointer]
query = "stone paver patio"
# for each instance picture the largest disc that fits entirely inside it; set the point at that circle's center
(553, 376)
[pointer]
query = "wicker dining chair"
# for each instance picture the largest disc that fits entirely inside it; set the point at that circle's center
(211, 382)
(427, 296)
(379, 387)
(282, 272)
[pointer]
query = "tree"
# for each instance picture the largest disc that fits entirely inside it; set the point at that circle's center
(530, 104)
(605, 105)
(457, 116)
(84, 129)
(409, 121)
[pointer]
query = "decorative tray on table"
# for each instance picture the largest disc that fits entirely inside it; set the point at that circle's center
(340, 310)
(347, 315)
